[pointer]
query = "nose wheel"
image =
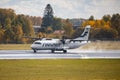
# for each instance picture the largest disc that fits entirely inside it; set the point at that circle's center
(34, 51)
(65, 51)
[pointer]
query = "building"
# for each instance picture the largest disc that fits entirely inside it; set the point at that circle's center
(59, 32)
(36, 28)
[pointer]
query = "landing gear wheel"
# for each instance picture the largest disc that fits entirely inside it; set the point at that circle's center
(65, 51)
(52, 51)
(34, 51)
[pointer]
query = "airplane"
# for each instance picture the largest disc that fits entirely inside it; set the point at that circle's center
(61, 44)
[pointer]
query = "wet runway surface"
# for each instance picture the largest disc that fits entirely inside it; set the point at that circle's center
(71, 54)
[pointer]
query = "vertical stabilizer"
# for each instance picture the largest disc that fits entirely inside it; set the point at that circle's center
(85, 34)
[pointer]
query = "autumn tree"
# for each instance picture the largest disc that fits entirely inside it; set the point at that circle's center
(102, 28)
(39, 35)
(18, 33)
(8, 30)
(67, 27)
(35, 20)
(26, 25)
(6, 13)
(1, 35)
(13, 26)
(49, 30)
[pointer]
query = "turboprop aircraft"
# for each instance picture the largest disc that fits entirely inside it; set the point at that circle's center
(61, 44)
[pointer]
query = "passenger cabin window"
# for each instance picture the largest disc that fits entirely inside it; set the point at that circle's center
(37, 43)
(48, 39)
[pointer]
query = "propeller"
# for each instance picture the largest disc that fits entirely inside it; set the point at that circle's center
(63, 40)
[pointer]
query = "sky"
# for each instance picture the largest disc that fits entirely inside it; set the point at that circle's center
(64, 8)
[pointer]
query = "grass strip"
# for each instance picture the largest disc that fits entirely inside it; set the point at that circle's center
(60, 69)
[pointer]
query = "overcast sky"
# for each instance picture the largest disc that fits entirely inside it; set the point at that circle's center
(64, 8)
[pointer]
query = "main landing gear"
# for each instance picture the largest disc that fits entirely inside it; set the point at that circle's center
(52, 51)
(64, 51)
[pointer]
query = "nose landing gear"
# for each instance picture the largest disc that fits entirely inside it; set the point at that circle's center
(34, 51)
(65, 51)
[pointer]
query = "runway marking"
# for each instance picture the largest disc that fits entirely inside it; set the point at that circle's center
(28, 54)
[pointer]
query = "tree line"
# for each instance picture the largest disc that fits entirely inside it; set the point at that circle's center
(13, 27)
(107, 28)
(37, 21)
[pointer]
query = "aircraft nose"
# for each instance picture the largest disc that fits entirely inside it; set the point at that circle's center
(32, 46)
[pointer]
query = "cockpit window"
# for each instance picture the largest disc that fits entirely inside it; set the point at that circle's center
(37, 43)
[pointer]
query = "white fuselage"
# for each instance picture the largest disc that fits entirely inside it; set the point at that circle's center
(49, 44)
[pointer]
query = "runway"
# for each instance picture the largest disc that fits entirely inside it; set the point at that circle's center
(72, 54)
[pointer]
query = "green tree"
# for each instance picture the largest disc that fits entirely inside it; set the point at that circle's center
(91, 18)
(7, 23)
(9, 35)
(57, 24)
(48, 17)
(104, 33)
(106, 18)
(115, 22)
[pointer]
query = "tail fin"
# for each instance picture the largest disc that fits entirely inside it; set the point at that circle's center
(85, 34)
